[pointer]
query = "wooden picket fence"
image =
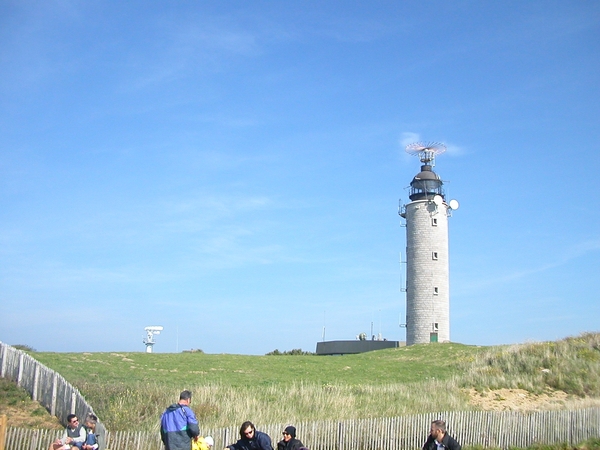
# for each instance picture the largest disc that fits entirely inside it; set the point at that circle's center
(499, 429)
(45, 385)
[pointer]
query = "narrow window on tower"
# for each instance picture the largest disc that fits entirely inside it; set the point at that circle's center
(436, 291)
(434, 256)
(434, 222)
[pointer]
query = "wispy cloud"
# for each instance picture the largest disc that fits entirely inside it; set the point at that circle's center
(345, 29)
(190, 47)
(408, 137)
(574, 252)
(454, 150)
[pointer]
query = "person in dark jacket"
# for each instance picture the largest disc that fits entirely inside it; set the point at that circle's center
(178, 424)
(251, 439)
(439, 439)
(289, 441)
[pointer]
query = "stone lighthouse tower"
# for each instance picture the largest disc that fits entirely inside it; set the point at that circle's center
(427, 268)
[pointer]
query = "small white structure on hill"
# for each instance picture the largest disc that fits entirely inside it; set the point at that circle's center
(149, 339)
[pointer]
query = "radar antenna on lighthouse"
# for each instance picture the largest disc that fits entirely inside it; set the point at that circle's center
(149, 339)
(426, 151)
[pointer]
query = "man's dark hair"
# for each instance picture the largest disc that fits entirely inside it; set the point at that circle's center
(185, 395)
(71, 417)
(245, 425)
(440, 425)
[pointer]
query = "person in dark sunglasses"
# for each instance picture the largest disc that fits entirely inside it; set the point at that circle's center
(251, 439)
(289, 441)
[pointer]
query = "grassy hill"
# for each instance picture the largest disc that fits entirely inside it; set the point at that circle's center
(130, 390)
(405, 364)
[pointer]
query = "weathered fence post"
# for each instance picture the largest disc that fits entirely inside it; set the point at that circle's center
(73, 402)
(225, 437)
(54, 392)
(3, 365)
(20, 373)
(340, 435)
(36, 381)
(3, 429)
(571, 428)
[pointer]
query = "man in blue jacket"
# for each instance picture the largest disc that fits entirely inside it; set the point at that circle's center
(178, 424)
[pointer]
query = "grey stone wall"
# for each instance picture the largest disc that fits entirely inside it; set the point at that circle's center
(427, 272)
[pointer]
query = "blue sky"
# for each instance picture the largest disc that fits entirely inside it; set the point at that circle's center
(231, 170)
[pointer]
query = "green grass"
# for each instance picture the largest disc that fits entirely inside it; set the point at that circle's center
(590, 444)
(11, 395)
(130, 390)
(21, 410)
(406, 365)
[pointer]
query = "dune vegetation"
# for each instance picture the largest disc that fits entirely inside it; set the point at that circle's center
(130, 390)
